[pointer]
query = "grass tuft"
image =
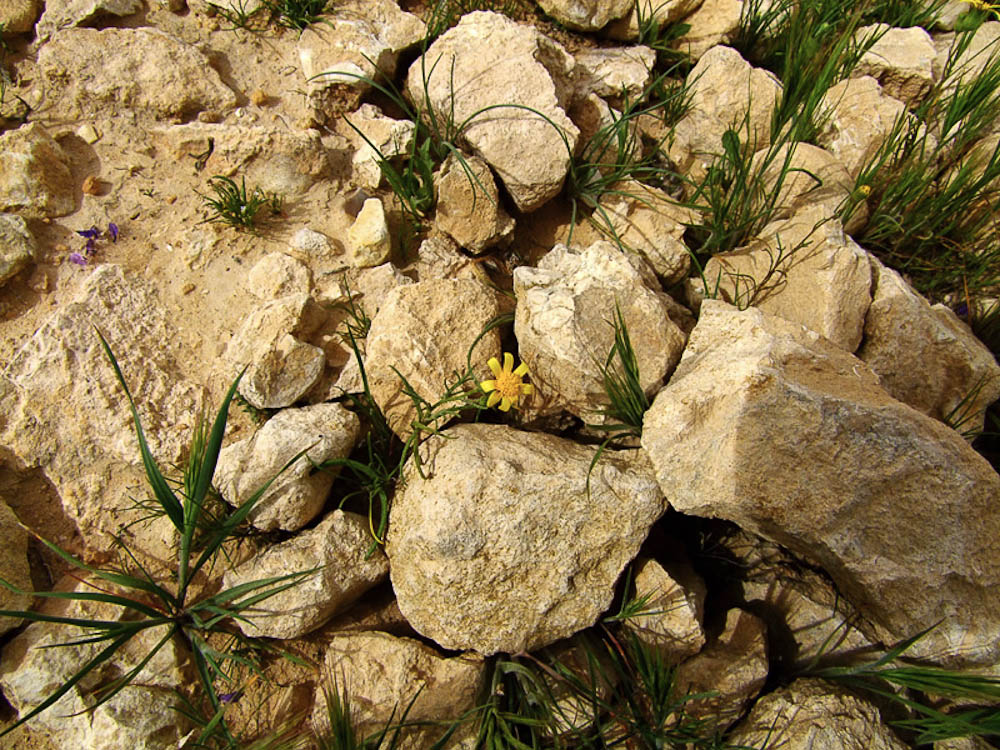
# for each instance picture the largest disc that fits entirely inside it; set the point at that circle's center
(235, 206)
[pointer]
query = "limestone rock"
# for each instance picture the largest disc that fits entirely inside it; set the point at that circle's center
(496, 551)
(439, 258)
(312, 244)
(382, 674)
(563, 324)
(663, 12)
(592, 115)
(35, 179)
(488, 60)
(812, 454)
(612, 73)
(60, 14)
(17, 246)
(805, 270)
(13, 567)
(468, 206)
(425, 331)
(712, 23)
(902, 60)
(592, 671)
(734, 665)
(644, 219)
(368, 239)
(278, 275)
(388, 137)
(324, 431)
(19, 16)
(338, 546)
(725, 91)
(975, 57)
(585, 15)
(815, 715)
(925, 356)
(675, 608)
(144, 70)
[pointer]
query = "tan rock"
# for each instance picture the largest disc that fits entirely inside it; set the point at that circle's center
(35, 179)
(17, 246)
(813, 455)
(278, 275)
(368, 239)
(663, 12)
(61, 14)
(380, 138)
(712, 23)
(975, 55)
(468, 206)
(902, 60)
(309, 244)
(674, 610)
(586, 15)
(439, 258)
(496, 551)
(593, 673)
(926, 357)
(13, 567)
(19, 16)
(614, 73)
(488, 60)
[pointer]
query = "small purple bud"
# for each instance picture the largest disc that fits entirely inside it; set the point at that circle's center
(91, 247)
(113, 231)
(78, 259)
(962, 310)
(230, 697)
(91, 234)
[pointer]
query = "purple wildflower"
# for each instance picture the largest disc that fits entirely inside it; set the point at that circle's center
(78, 259)
(230, 697)
(91, 247)
(91, 234)
(113, 231)
(962, 310)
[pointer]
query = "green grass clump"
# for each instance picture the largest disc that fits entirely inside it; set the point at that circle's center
(253, 15)
(235, 206)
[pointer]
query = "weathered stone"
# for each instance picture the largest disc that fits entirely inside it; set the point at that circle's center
(726, 93)
(13, 567)
(815, 715)
(902, 60)
(948, 14)
(323, 431)
(598, 144)
(586, 15)
(977, 53)
(812, 454)
(494, 551)
(439, 258)
(662, 12)
(674, 609)
(805, 270)
(144, 70)
(712, 23)
(424, 332)
(312, 244)
(926, 357)
(383, 138)
(383, 675)
(35, 179)
(734, 666)
(18, 16)
(338, 547)
(614, 73)
(593, 673)
(645, 220)
(368, 239)
(468, 206)
(278, 275)
(17, 246)
(488, 60)
(563, 324)
(61, 14)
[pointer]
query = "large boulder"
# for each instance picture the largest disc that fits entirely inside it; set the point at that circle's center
(503, 548)
(770, 426)
(488, 60)
(35, 178)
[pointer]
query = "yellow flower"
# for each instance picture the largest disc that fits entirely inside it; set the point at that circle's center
(865, 190)
(507, 388)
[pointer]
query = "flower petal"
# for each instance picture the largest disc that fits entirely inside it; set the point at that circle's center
(505, 404)
(494, 397)
(522, 369)
(488, 385)
(527, 389)
(494, 364)
(508, 361)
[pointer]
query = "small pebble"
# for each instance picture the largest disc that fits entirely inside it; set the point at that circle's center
(258, 98)
(170, 199)
(61, 248)
(91, 186)
(88, 133)
(187, 288)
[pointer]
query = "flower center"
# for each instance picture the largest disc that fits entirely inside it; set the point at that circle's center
(509, 384)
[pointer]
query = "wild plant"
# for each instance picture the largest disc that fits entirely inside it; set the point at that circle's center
(235, 206)
(444, 14)
(171, 609)
(295, 14)
(658, 35)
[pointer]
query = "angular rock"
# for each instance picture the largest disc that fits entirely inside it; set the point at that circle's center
(35, 178)
(278, 275)
(674, 610)
(324, 431)
(488, 60)
(902, 60)
(586, 15)
(13, 567)
(368, 239)
(976, 55)
(388, 138)
(563, 324)
(424, 332)
(19, 16)
(805, 270)
(439, 258)
(812, 454)
(338, 547)
(61, 14)
(599, 144)
(382, 674)
(312, 244)
(613, 73)
(662, 12)
(496, 551)
(712, 23)
(468, 205)
(17, 246)
(815, 715)
(926, 357)
(726, 93)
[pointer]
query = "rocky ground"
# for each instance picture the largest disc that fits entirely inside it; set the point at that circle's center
(800, 466)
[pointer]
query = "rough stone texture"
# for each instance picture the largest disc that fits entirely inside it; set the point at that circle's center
(144, 70)
(586, 15)
(591, 114)
(645, 220)
(713, 22)
(439, 258)
(805, 270)
(902, 60)
(468, 206)
(675, 609)
(368, 239)
(382, 673)
(35, 179)
(809, 452)
(496, 552)
(324, 431)
(310, 244)
(61, 14)
(925, 356)
(13, 567)
(815, 715)
(486, 60)
(138, 717)
(948, 14)
(281, 367)
(338, 546)
(592, 670)
(19, 16)
(610, 72)
(66, 414)
(17, 246)
(563, 324)
(278, 275)
(725, 90)
(734, 665)
(973, 60)
(664, 12)
(425, 331)
(388, 138)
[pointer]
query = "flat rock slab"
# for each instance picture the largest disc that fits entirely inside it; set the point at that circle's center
(772, 427)
(503, 549)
